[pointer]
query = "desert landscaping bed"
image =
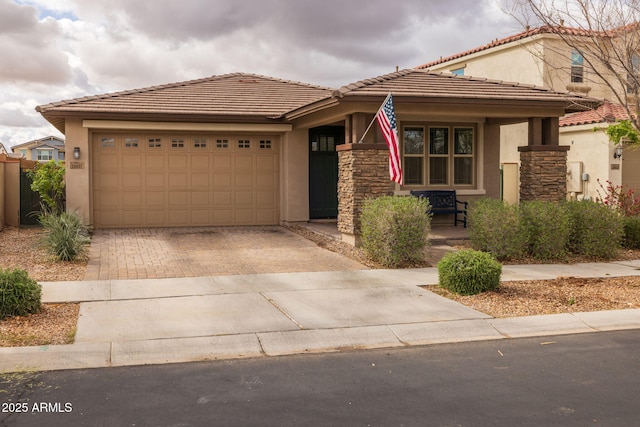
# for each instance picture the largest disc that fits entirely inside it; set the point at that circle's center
(56, 323)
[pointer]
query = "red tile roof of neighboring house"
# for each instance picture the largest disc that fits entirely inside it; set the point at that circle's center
(607, 112)
(499, 42)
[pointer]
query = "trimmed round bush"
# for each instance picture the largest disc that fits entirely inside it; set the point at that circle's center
(495, 227)
(394, 229)
(19, 294)
(469, 272)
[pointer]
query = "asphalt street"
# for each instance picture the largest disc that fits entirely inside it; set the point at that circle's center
(568, 380)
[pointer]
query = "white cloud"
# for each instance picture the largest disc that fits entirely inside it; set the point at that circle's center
(60, 49)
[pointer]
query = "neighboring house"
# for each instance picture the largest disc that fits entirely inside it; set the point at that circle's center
(539, 57)
(42, 150)
(243, 149)
(4, 150)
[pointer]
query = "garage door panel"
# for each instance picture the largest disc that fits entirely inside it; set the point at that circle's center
(155, 162)
(178, 180)
(200, 180)
(266, 216)
(221, 179)
(266, 198)
(132, 199)
(177, 162)
(132, 180)
(108, 181)
(200, 161)
(132, 218)
(178, 198)
(178, 217)
(244, 217)
(200, 217)
(155, 198)
(155, 217)
(108, 218)
(200, 198)
(244, 162)
(244, 179)
(152, 180)
(108, 200)
(244, 198)
(222, 161)
(132, 162)
(266, 163)
(183, 180)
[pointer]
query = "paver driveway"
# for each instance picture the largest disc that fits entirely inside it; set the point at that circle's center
(147, 253)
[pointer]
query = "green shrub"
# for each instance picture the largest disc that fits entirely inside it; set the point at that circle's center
(631, 239)
(546, 225)
(65, 236)
(495, 227)
(469, 272)
(48, 182)
(19, 294)
(596, 230)
(394, 229)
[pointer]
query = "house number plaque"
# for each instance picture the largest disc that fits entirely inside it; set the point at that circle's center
(76, 165)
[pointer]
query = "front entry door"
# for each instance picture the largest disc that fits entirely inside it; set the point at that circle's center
(323, 171)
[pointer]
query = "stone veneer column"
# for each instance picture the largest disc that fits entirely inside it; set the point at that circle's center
(363, 171)
(543, 172)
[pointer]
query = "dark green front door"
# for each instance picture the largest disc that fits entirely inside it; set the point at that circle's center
(323, 171)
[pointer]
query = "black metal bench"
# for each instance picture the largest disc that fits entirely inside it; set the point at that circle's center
(444, 202)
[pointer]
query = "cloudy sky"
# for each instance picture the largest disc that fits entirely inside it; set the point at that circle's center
(52, 50)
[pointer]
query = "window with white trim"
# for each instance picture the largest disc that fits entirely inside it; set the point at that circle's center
(444, 156)
(45, 155)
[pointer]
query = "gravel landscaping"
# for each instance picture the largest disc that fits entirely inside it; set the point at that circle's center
(56, 323)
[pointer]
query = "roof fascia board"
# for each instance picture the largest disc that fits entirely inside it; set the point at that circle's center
(186, 126)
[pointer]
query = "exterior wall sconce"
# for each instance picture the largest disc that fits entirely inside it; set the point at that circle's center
(617, 153)
(76, 153)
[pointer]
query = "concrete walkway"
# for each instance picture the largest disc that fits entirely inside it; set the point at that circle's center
(151, 321)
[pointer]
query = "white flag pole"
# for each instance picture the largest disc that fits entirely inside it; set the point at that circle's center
(375, 116)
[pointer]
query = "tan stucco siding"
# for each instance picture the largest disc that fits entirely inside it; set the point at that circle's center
(294, 179)
(515, 63)
(595, 152)
(78, 171)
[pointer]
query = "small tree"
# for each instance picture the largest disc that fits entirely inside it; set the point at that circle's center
(606, 35)
(48, 182)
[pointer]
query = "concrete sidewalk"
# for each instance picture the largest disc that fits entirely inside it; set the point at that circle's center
(151, 321)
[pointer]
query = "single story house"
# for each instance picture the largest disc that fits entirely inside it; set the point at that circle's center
(244, 149)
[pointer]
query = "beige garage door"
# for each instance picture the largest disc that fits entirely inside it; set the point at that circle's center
(147, 180)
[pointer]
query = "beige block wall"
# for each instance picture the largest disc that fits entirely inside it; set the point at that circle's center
(2, 192)
(10, 194)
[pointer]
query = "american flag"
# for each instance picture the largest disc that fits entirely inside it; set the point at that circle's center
(387, 121)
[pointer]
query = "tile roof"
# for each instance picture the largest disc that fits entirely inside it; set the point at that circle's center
(440, 86)
(568, 31)
(607, 112)
(228, 95)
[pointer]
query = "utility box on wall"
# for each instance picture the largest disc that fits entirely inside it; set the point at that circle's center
(574, 177)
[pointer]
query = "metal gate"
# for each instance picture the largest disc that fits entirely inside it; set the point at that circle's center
(29, 200)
